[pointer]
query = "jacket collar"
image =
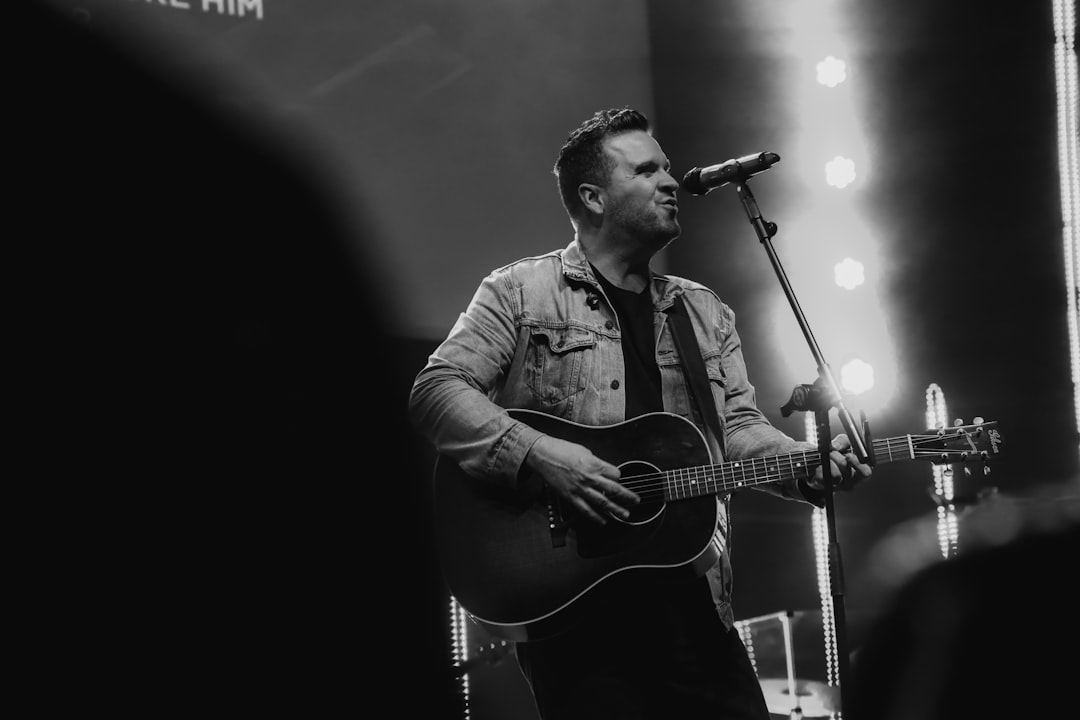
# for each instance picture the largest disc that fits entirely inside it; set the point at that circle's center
(575, 266)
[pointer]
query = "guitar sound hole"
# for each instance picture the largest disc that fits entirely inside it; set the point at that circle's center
(644, 479)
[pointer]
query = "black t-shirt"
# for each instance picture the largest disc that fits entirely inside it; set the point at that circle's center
(642, 382)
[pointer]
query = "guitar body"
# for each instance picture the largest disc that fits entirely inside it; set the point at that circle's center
(522, 570)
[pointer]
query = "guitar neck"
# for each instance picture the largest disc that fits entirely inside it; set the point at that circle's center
(729, 476)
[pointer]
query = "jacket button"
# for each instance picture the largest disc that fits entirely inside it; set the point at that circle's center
(561, 343)
(593, 301)
(614, 384)
(609, 324)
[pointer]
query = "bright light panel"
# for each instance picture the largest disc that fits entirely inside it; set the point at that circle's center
(1069, 162)
(830, 250)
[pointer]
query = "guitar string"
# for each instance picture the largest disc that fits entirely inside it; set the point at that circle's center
(694, 479)
(712, 476)
(780, 466)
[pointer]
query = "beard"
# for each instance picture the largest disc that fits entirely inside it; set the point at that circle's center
(634, 218)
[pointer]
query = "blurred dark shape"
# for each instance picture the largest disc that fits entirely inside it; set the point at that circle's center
(232, 523)
(989, 633)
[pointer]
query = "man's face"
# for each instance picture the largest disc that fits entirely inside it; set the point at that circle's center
(641, 191)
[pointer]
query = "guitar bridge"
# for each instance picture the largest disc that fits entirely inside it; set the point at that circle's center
(556, 523)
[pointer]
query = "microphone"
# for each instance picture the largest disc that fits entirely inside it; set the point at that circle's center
(699, 181)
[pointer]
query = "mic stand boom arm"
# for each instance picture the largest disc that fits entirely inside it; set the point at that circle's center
(819, 397)
(765, 231)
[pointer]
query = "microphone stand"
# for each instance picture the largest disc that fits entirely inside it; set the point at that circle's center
(818, 397)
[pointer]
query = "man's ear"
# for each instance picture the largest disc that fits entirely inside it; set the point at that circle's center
(591, 197)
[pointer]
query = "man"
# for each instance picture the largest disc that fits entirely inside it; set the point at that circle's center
(585, 334)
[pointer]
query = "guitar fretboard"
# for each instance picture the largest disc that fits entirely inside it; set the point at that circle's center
(695, 481)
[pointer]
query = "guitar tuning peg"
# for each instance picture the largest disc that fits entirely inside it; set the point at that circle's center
(958, 422)
(986, 470)
(979, 420)
(967, 471)
(948, 471)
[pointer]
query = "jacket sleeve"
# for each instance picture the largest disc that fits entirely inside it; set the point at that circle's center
(747, 432)
(449, 403)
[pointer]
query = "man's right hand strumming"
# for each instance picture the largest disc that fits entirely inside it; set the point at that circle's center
(584, 482)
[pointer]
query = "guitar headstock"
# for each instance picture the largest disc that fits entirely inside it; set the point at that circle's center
(979, 442)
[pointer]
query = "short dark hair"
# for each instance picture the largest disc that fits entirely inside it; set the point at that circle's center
(582, 158)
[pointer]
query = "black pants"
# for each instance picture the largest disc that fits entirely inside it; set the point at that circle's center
(658, 655)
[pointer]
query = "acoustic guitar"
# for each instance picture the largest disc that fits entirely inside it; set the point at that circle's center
(521, 570)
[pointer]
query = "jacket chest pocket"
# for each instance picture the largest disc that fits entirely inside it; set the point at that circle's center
(557, 365)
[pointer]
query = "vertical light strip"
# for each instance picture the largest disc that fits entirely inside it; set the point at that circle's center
(937, 417)
(1069, 163)
(810, 427)
(820, 532)
(747, 637)
(828, 619)
(459, 641)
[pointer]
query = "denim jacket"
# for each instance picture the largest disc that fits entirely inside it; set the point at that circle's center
(540, 334)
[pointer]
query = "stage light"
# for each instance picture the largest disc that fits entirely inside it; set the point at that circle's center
(840, 172)
(1068, 97)
(819, 533)
(746, 635)
(831, 71)
(849, 273)
(857, 376)
(937, 417)
(831, 152)
(459, 647)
